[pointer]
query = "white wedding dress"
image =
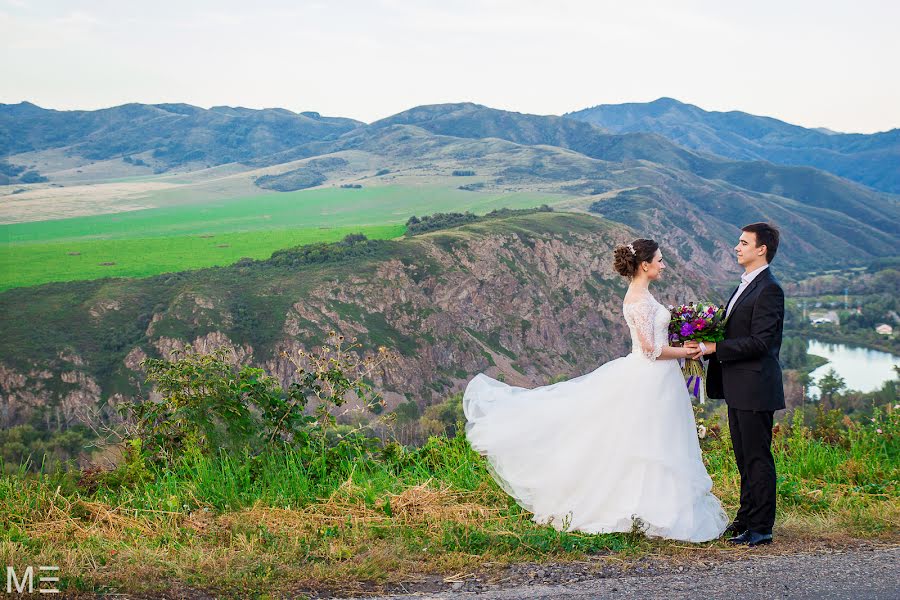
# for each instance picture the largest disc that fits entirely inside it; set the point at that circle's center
(594, 453)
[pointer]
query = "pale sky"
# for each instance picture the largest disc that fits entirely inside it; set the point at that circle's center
(813, 63)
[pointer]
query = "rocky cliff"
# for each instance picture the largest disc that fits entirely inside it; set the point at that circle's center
(527, 297)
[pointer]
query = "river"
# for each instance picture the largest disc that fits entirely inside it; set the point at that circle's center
(862, 369)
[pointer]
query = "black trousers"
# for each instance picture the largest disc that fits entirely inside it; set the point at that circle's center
(751, 436)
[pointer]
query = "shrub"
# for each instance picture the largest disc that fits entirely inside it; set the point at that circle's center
(32, 177)
(209, 405)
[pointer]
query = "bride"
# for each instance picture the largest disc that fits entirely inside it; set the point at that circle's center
(612, 449)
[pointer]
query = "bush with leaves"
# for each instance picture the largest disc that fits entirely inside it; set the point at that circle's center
(209, 405)
(445, 418)
(206, 404)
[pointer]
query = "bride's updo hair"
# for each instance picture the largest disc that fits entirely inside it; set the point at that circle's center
(629, 257)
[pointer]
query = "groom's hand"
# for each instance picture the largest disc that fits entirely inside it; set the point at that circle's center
(694, 348)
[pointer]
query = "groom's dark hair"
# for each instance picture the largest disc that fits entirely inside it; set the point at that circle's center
(765, 235)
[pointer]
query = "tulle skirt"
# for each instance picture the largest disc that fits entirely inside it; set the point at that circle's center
(601, 453)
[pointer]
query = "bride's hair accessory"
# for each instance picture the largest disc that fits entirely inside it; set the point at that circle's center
(627, 258)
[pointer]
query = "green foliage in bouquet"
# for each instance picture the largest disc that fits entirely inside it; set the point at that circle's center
(701, 322)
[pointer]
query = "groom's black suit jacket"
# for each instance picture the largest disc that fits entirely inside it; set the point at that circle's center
(744, 369)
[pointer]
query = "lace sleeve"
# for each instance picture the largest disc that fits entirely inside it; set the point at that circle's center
(642, 316)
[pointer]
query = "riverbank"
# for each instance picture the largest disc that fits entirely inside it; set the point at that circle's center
(869, 341)
(813, 362)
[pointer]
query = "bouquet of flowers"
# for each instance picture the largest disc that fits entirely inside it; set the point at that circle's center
(701, 322)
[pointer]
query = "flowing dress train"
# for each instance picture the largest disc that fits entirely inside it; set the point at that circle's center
(596, 452)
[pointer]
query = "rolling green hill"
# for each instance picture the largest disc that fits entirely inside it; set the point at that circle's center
(148, 242)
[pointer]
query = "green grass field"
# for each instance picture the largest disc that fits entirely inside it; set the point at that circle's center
(27, 264)
(159, 240)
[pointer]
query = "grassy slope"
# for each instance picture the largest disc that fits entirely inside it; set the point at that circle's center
(160, 240)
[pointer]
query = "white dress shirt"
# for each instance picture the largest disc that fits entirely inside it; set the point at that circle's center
(746, 279)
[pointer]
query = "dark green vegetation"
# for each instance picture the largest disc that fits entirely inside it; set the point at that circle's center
(794, 356)
(39, 448)
(324, 506)
(10, 174)
(447, 220)
(839, 400)
(867, 159)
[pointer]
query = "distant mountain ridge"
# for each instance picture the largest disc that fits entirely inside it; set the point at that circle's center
(164, 136)
(803, 184)
(870, 159)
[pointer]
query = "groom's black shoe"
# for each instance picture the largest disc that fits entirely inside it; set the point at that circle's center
(735, 529)
(751, 538)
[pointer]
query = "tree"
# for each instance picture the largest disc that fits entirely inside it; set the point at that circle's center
(443, 418)
(830, 385)
(407, 412)
(793, 353)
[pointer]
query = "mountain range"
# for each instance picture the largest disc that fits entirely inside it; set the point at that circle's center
(870, 159)
(174, 136)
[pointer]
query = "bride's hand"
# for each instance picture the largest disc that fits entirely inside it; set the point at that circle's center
(692, 350)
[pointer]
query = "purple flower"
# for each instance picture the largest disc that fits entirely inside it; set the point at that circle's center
(687, 329)
(700, 323)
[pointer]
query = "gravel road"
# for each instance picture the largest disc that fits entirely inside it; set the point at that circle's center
(871, 573)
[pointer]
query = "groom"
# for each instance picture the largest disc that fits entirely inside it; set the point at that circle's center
(745, 371)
